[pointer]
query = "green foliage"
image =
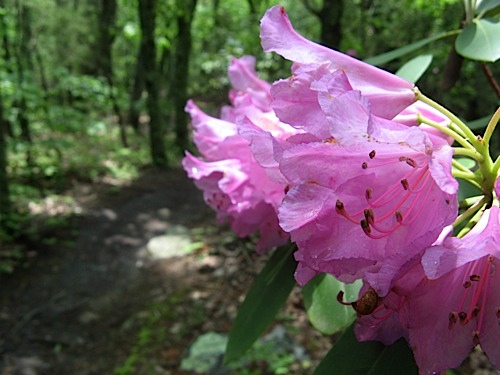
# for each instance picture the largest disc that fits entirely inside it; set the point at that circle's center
(350, 357)
(415, 68)
(479, 40)
(268, 293)
(326, 314)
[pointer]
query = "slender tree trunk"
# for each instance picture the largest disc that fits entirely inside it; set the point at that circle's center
(136, 90)
(5, 204)
(330, 17)
(106, 36)
(22, 57)
(178, 92)
(148, 53)
(7, 58)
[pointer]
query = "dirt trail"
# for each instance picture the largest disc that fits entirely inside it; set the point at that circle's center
(66, 313)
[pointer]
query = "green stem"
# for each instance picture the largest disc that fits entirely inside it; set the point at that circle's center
(467, 202)
(467, 176)
(457, 137)
(465, 129)
(469, 212)
(473, 154)
(496, 166)
(456, 129)
(460, 167)
(476, 210)
(491, 127)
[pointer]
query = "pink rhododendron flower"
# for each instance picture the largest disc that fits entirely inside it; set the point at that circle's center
(458, 305)
(368, 198)
(387, 93)
(233, 183)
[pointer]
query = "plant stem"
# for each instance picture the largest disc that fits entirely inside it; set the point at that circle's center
(467, 132)
(457, 137)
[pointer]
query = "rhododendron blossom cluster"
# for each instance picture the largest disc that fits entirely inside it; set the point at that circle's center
(357, 168)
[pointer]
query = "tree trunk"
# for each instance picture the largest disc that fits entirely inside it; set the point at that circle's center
(178, 92)
(105, 38)
(136, 93)
(23, 56)
(330, 17)
(148, 53)
(4, 180)
(7, 58)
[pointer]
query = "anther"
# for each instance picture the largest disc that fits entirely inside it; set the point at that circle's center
(364, 165)
(372, 154)
(463, 317)
(453, 317)
(369, 216)
(366, 227)
(368, 193)
(474, 278)
(497, 312)
(405, 184)
(339, 207)
(475, 311)
(367, 303)
(399, 216)
(467, 284)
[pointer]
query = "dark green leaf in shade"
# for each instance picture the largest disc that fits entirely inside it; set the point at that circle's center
(480, 40)
(325, 313)
(266, 296)
(415, 68)
(350, 357)
(397, 53)
(480, 123)
(395, 359)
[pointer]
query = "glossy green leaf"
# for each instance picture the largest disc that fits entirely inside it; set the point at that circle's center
(466, 162)
(486, 5)
(325, 313)
(350, 357)
(395, 359)
(266, 296)
(415, 68)
(480, 123)
(394, 54)
(480, 40)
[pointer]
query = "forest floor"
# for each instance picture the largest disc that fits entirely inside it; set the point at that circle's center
(103, 301)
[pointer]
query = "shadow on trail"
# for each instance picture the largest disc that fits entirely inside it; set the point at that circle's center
(73, 311)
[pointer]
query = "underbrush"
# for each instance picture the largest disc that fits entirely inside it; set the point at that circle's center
(44, 177)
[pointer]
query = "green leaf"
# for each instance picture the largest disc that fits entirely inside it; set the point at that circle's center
(480, 123)
(394, 54)
(350, 357)
(466, 162)
(394, 360)
(486, 5)
(479, 40)
(415, 68)
(267, 294)
(326, 314)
